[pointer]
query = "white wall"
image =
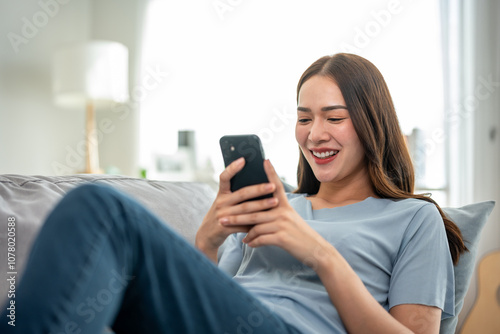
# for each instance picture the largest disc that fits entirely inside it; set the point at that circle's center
(33, 133)
(121, 21)
(486, 128)
(36, 137)
(487, 119)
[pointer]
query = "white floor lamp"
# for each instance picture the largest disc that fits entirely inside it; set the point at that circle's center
(88, 74)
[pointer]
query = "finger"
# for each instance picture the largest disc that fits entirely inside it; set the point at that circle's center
(269, 239)
(250, 206)
(259, 230)
(242, 200)
(274, 178)
(230, 171)
(236, 229)
(252, 218)
(250, 192)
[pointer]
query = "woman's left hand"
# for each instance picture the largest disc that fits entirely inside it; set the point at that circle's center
(282, 226)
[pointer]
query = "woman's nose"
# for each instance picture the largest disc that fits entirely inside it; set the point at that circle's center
(318, 132)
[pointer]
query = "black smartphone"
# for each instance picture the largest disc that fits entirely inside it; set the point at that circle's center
(249, 147)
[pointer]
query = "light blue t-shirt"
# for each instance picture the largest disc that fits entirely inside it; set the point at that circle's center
(398, 248)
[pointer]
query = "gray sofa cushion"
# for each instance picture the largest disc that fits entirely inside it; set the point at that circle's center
(29, 199)
(470, 219)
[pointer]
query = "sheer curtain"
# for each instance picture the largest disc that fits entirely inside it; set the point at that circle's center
(458, 67)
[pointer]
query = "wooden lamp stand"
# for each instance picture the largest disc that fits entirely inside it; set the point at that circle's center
(92, 147)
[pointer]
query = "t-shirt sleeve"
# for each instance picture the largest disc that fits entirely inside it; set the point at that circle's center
(231, 254)
(423, 271)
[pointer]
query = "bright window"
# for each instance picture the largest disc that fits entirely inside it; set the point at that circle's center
(233, 67)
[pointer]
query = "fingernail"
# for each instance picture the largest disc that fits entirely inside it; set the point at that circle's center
(224, 221)
(269, 164)
(271, 201)
(269, 186)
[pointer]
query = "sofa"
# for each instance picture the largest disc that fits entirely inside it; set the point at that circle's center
(25, 201)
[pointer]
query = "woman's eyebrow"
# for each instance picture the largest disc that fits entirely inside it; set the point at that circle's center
(327, 108)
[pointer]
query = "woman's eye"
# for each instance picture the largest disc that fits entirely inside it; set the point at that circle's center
(335, 119)
(303, 120)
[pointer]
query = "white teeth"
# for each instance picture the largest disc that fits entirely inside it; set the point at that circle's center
(324, 155)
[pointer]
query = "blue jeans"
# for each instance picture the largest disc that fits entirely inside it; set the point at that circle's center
(101, 259)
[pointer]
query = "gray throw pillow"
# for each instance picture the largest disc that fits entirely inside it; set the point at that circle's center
(470, 219)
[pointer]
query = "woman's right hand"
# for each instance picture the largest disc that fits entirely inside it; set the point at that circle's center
(212, 234)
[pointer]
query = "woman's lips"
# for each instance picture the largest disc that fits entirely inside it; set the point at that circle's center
(326, 159)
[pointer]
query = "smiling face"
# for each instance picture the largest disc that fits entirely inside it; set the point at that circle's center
(326, 135)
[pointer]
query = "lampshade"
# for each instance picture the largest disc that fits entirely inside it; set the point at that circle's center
(93, 71)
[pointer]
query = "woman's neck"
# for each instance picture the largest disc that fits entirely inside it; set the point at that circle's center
(345, 192)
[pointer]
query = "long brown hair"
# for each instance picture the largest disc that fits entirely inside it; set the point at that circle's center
(374, 118)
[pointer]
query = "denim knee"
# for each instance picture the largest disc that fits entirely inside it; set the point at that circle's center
(92, 197)
(81, 193)
(85, 206)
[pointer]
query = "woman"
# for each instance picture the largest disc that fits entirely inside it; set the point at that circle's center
(352, 250)
(353, 156)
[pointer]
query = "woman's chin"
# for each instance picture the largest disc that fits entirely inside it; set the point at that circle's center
(322, 178)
